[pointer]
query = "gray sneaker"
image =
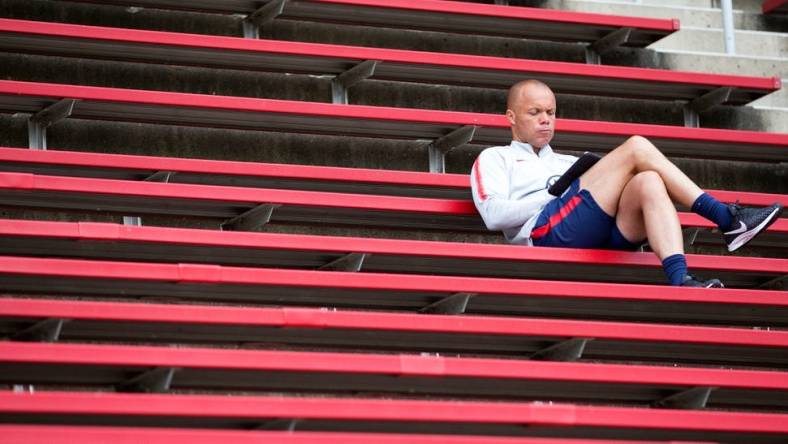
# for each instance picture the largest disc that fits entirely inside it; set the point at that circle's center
(690, 281)
(748, 222)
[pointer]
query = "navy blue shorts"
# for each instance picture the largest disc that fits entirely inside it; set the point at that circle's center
(575, 220)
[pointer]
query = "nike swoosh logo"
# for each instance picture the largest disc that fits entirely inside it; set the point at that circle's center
(742, 228)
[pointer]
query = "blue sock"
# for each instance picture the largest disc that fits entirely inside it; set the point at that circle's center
(713, 210)
(676, 268)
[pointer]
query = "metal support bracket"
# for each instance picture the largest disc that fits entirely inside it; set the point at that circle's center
(342, 82)
(690, 235)
(160, 176)
(778, 283)
(617, 38)
(157, 380)
(711, 99)
(694, 398)
(566, 351)
(349, 262)
(47, 330)
(134, 221)
(288, 425)
(262, 16)
(250, 220)
(39, 122)
(440, 147)
(450, 305)
(691, 117)
(703, 103)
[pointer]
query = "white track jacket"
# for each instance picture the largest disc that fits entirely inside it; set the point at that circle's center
(509, 185)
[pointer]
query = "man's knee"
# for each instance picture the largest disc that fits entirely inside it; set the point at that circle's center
(640, 149)
(649, 184)
(638, 140)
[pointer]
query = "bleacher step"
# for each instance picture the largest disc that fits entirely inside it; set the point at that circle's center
(747, 43)
(445, 334)
(47, 434)
(470, 418)
(418, 376)
(693, 16)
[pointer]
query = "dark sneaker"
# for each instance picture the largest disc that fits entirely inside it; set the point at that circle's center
(748, 222)
(690, 281)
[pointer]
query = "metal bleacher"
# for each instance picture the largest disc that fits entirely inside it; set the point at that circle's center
(249, 208)
(268, 175)
(295, 327)
(133, 435)
(214, 313)
(117, 242)
(439, 15)
(368, 415)
(127, 105)
(391, 291)
(197, 368)
(429, 200)
(701, 90)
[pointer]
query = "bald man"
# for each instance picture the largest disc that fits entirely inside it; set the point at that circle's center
(624, 200)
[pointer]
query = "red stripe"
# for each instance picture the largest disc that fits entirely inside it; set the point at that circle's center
(478, 177)
(555, 219)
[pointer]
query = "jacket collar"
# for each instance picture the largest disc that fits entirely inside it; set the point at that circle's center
(527, 148)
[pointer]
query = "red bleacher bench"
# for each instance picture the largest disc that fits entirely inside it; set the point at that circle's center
(398, 416)
(191, 368)
(47, 434)
(775, 6)
(181, 245)
(300, 177)
(232, 204)
(203, 282)
(408, 66)
(369, 121)
(271, 175)
(439, 15)
(117, 322)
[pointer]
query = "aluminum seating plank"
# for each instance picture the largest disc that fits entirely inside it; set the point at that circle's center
(447, 16)
(99, 103)
(327, 414)
(56, 192)
(397, 65)
(271, 175)
(46, 434)
(194, 282)
(465, 335)
(410, 375)
(118, 242)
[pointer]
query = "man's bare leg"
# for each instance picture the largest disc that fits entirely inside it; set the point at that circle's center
(645, 211)
(637, 184)
(607, 179)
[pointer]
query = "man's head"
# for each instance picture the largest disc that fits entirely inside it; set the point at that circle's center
(531, 112)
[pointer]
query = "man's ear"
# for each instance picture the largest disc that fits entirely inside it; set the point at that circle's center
(510, 116)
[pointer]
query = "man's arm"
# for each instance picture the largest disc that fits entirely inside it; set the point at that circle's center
(490, 187)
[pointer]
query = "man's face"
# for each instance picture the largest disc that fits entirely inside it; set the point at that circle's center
(533, 116)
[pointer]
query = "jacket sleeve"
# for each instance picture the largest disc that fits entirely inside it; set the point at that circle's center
(490, 187)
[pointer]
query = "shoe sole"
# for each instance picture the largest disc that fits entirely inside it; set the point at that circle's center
(715, 284)
(747, 236)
